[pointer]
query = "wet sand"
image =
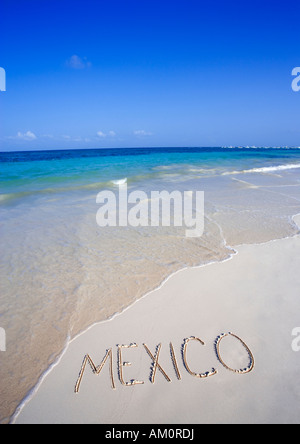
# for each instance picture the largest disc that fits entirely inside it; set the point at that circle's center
(254, 295)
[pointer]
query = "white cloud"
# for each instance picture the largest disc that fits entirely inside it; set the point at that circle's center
(142, 133)
(68, 138)
(29, 135)
(76, 62)
(109, 134)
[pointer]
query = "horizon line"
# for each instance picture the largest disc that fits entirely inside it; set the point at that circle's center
(153, 148)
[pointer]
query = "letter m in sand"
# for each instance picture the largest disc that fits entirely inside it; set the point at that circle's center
(96, 370)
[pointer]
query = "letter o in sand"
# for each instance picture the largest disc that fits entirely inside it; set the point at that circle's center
(251, 357)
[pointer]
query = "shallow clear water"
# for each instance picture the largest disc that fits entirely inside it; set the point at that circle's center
(60, 272)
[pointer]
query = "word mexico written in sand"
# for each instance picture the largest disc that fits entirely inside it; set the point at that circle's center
(156, 366)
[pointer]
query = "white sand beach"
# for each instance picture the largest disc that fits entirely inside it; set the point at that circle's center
(255, 295)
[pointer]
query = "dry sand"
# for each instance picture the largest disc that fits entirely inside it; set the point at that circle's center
(255, 295)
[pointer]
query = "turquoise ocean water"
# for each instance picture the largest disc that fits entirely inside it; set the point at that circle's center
(30, 174)
(60, 272)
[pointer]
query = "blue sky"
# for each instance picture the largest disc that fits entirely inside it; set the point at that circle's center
(92, 74)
